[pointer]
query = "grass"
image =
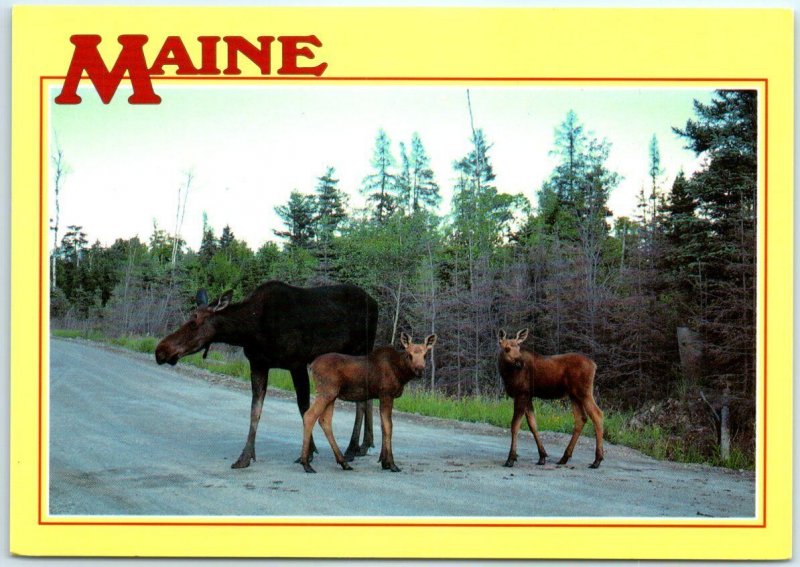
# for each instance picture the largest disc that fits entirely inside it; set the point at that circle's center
(550, 416)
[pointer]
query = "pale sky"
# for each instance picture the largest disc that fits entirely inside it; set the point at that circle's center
(249, 147)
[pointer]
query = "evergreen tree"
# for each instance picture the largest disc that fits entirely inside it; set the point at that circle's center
(417, 188)
(226, 239)
(331, 205)
(725, 195)
(379, 186)
(208, 244)
(298, 217)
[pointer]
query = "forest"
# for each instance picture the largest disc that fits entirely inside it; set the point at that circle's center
(664, 302)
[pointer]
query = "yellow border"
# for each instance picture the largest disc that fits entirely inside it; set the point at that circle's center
(446, 44)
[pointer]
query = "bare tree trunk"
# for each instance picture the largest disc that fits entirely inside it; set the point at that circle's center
(433, 313)
(396, 309)
(60, 172)
(180, 211)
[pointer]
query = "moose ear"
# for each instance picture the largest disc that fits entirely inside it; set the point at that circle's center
(430, 340)
(501, 335)
(405, 340)
(201, 298)
(522, 335)
(223, 301)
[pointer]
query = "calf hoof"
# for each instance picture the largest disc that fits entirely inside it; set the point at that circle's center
(510, 461)
(595, 464)
(346, 467)
(300, 459)
(563, 461)
(392, 467)
(363, 449)
(541, 460)
(307, 468)
(243, 461)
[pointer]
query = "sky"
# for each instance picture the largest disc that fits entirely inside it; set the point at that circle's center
(248, 147)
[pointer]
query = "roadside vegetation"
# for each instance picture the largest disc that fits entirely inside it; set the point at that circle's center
(556, 416)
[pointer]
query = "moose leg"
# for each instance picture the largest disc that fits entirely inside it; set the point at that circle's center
(258, 381)
(387, 458)
(310, 417)
(516, 421)
(532, 425)
(597, 420)
(369, 440)
(578, 420)
(302, 389)
(326, 422)
(352, 448)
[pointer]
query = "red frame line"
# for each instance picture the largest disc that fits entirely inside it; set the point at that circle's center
(763, 524)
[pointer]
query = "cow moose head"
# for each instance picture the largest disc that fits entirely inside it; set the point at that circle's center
(195, 334)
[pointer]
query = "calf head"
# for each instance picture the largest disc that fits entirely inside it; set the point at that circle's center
(415, 353)
(195, 334)
(510, 348)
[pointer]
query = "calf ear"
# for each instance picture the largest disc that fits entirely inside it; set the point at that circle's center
(522, 335)
(201, 298)
(430, 340)
(501, 335)
(223, 301)
(405, 340)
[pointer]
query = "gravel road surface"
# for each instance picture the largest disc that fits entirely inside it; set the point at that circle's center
(128, 437)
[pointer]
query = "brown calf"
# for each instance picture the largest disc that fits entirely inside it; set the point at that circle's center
(527, 375)
(382, 374)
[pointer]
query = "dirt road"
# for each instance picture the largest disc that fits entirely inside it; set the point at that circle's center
(128, 437)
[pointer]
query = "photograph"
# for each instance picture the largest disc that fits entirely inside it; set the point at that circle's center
(584, 258)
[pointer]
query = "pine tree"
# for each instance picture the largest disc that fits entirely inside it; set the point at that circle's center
(208, 244)
(379, 186)
(330, 213)
(298, 217)
(226, 239)
(725, 194)
(422, 190)
(330, 204)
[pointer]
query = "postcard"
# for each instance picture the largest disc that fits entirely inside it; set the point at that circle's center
(401, 282)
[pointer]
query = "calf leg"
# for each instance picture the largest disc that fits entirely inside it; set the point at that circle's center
(369, 440)
(258, 382)
(310, 417)
(532, 424)
(516, 421)
(302, 389)
(579, 420)
(387, 458)
(597, 420)
(352, 448)
(326, 422)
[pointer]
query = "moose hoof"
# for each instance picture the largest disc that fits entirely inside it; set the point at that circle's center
(243, 461)
(300, 459)
(510, 462)
(391, 467)
(307, 468)
(595, 465)
(541, 460)
(346, 467)
(563, 461)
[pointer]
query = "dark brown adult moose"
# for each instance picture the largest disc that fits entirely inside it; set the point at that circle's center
(382, 374)
(281, 326)
(527, 375)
